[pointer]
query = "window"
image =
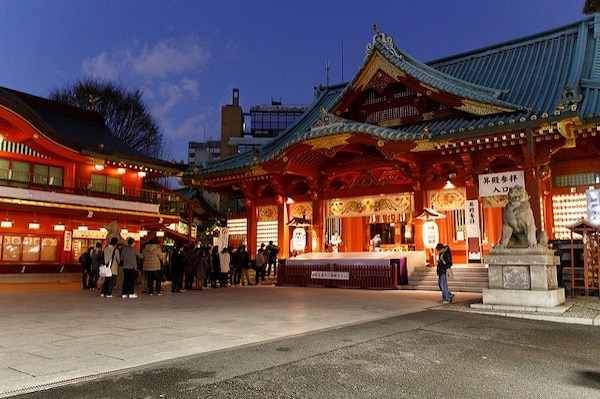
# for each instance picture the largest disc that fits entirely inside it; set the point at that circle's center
(19, 174)
(11, 248)
(47, 175)
(29, 248)
(4, 167)
(106, 184)
(458, 216)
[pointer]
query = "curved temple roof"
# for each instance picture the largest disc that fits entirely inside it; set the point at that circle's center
(527, 82)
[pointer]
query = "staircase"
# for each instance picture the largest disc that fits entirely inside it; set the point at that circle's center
(466, 279)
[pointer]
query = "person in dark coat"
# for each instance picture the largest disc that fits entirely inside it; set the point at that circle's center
(177, 268)
(444, 263)
(86, 264)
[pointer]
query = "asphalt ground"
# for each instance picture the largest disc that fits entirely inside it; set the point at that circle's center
(283, 342)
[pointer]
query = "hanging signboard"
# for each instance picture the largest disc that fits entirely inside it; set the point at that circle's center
(472, 216)
(593, 205)
(499, 183)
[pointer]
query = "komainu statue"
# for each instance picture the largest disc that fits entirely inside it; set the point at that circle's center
(518, 227)
(113, 230)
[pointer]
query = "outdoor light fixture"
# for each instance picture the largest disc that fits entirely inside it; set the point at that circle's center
(121, 171)
(59, 227)
(143, 233)
(99, 167)
(160, 233)
(82, 228)
(6, 224)
(449, 185)
(124, 231)
(34, 225)
(142, 174)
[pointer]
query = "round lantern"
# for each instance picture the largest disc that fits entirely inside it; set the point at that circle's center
(298, 239)
(431, 234)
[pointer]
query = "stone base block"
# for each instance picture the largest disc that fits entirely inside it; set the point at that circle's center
(546, 298)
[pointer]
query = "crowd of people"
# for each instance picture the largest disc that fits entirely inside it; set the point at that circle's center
(188, 267)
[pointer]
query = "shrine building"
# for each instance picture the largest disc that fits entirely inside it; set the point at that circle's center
(406, 142)
(65, 182)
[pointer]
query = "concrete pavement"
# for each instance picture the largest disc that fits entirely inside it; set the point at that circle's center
(56, 334)
(52, 334)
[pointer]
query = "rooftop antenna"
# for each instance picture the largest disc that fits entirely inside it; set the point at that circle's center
(342, 61)
(327, 69)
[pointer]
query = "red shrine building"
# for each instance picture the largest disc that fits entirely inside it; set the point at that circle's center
(65, 182)
(406, 144)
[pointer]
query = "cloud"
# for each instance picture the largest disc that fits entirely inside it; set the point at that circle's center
(101, 66)
(165, 58)
(190, 85)
(168, 95)
(170, 56)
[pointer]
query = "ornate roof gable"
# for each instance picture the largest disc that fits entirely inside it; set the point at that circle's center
(393, 75)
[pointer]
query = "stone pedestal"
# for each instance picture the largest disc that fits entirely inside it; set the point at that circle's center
(523, 277)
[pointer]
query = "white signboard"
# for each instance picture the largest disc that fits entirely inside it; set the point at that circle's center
(472, 216)
(593, 205)
(330, 275)
(499, 183)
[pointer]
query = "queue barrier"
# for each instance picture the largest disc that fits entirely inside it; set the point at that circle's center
(358, 276)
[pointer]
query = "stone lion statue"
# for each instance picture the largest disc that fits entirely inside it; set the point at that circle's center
(113, 230)
(518, 225)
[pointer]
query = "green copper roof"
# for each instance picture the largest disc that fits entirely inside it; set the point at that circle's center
(535, 78)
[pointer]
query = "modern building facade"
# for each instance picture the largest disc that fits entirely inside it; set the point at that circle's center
(242, 132)
(452, 135)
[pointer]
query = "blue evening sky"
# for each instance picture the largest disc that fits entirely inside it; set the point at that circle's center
(187, 56)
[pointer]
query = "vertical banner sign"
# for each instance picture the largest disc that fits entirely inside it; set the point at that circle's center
(499, 183)
(593, 205)
(67, 245)
(473, 231)
(223, 237)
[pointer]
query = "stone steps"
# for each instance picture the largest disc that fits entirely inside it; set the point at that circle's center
(466, 279)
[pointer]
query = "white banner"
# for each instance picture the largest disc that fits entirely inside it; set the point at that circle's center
(593, 205)
(472, 216)
(330, 275)
(223, 238)
(499, 183)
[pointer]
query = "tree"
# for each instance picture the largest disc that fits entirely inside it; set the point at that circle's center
(125, 114)
(591, 6)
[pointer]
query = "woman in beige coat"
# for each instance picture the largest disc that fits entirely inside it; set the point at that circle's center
(152, 266)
